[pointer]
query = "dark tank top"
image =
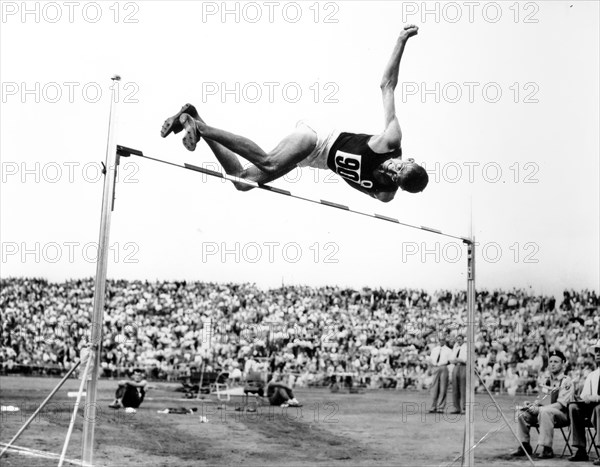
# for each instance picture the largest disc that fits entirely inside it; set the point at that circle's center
(352, 159)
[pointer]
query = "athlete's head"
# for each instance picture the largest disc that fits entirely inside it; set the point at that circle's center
(137, 375)
(408, 175)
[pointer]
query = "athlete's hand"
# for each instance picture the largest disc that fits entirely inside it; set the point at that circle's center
(409, 31)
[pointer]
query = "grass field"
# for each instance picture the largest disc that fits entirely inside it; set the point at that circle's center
(375, 428)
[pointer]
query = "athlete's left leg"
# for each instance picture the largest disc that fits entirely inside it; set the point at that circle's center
(287, 154)
(291, 150)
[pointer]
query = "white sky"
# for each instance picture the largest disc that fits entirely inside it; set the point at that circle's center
(175, 224)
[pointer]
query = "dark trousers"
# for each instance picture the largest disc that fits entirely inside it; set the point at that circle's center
(130, 397)
(280, 396)
(579, 413)
(439, 387)
(459, 386)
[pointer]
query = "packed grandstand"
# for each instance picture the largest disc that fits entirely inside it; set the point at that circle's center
(380, 337)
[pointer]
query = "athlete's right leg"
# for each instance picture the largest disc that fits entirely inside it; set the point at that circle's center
(226, 158)
(231, 164)
(229, 159)
(287, 154)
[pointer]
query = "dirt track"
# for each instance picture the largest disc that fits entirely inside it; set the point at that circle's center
(375, 428)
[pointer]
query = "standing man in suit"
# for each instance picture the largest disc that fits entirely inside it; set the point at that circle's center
(459, 374)
(587, 408)
(438, 362)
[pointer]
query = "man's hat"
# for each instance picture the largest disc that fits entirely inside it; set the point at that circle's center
(557, 353)
(593, 348)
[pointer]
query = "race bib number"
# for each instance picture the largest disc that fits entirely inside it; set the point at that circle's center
(348, 166)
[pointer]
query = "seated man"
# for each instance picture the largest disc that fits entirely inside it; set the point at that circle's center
(560, 389)
(130, 394)
(254, 384)
(587, 409)
(279, 394)
(371, 164)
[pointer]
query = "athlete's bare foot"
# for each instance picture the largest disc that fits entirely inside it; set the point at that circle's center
(192, 133)
(172, 124)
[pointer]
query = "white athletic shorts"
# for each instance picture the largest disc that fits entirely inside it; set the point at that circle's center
(325, 139)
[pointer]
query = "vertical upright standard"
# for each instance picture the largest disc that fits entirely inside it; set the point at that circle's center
(469, 439)
(110, 173)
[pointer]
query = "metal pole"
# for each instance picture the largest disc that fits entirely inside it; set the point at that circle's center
(43, 404)
(63, 454)
(201, 379)
(100, 284)
(499, 409)
(469, 439)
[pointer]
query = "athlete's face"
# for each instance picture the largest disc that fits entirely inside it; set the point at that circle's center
(395, 167)
(137, 376)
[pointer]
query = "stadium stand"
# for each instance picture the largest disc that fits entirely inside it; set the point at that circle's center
(311, 334)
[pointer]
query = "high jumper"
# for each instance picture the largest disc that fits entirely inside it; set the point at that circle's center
(372, 164)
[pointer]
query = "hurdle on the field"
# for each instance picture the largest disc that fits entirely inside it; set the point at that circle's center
(114, 153)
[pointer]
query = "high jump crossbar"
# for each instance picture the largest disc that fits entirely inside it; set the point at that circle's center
(123, 151)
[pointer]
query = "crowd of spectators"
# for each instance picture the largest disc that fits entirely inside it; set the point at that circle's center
(382, 337)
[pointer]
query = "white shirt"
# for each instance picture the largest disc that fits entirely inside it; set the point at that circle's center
(590, 387)
(444, 353)
(462, 350)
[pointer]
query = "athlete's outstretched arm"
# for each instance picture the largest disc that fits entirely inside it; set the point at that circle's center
(391, 137)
